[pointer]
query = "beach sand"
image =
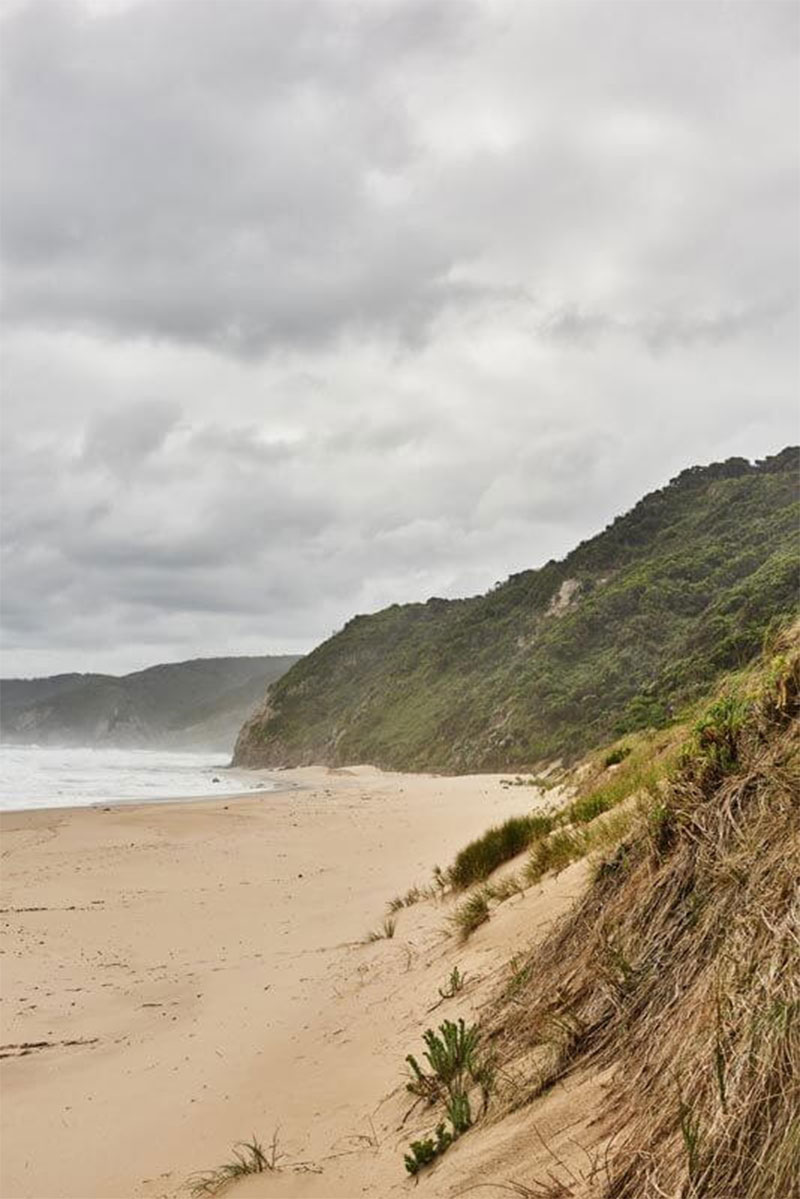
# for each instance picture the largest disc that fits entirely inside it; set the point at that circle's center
(177, 977)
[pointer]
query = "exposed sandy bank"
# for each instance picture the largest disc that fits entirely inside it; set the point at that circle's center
(195, 974)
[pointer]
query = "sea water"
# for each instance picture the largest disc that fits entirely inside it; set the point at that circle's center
(33, 776)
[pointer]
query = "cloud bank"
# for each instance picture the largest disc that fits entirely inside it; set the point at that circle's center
(310, 308)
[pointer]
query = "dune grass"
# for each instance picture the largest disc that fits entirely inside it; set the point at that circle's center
(471, 914)
(678, 968)
(249, 1157)
(498, 844)
(384, 933)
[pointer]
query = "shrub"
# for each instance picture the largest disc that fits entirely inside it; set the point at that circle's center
(716, 734)
(453, 1055)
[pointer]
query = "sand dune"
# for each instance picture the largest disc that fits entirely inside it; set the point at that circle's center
(177, 977)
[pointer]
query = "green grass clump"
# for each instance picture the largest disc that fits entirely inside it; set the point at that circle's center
(471, 914)
(583, 811)
(499, 844)
(555, 853)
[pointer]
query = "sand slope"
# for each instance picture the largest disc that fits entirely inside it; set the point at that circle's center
(184, 975)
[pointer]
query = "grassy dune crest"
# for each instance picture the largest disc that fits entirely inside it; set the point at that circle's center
(679, 968)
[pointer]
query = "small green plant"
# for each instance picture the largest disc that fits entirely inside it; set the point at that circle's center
(454, 1060)
(249, 1157)
(425, 1151)
(422, 1154)
(451, 1053)
(716, 734)
(471, 914)
(396, 904)
(455, 983)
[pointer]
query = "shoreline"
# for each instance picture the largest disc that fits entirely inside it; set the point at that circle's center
(237, 783)
(138, 802)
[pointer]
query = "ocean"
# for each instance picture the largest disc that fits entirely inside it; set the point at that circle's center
(33, 776)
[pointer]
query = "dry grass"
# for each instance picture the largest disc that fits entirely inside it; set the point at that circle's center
(680, 966)
(249, 1157)
(384, 933)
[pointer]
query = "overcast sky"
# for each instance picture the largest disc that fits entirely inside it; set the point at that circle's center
(315, 306)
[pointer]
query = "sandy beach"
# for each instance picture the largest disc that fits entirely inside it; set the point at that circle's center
(177, 977)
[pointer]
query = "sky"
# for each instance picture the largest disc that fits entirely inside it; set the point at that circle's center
(313, 306)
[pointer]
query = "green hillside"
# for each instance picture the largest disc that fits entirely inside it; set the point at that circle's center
(630, 626)
(183, 705)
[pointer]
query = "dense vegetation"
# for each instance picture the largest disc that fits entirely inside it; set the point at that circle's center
(620, 635)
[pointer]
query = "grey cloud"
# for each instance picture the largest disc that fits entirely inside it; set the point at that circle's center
(123, 440)
(208, 176)
(315, 307)
(257, 176)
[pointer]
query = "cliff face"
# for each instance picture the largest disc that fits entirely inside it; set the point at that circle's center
(632, 624)
(180, 705)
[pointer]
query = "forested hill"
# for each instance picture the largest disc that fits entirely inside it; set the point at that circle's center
(195, 704)
(630, 626)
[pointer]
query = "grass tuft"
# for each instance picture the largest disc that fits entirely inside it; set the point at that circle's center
(249, 1157)
(384, 933)
(471, 914)
(555, 853)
